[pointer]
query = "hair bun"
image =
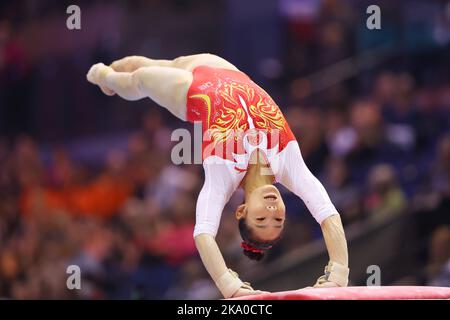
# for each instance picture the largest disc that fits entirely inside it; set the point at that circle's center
(248, 247)
(257, 256)
(252, 252)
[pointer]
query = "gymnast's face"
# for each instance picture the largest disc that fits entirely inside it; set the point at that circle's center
(264, 213)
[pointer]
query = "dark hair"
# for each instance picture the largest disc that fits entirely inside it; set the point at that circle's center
(253, 249)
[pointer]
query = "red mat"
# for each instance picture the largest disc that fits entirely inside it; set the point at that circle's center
(356, 293)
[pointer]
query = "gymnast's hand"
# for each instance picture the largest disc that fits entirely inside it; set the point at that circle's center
(242, 292)
(322, 283)
(231, 286)
(336, 275)
(97, 74)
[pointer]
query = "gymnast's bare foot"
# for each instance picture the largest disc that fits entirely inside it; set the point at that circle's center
(96, 75)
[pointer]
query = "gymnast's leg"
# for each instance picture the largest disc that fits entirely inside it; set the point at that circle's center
(204, 59)
(165, 85)
(188, 63)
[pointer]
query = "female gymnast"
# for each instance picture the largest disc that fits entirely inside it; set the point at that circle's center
(246, 143)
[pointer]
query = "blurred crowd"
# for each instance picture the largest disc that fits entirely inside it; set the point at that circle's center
(380, 144)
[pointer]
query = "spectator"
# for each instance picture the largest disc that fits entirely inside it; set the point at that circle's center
(438, 268)
(342, 191)
(385, 197)
(440, 174)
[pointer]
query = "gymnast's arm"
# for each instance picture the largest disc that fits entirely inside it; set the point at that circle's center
(226, 280)
(297, 178)
(215, 193)
(336, 272)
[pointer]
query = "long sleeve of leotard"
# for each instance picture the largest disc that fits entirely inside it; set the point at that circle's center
(216, 191)
(298, 178)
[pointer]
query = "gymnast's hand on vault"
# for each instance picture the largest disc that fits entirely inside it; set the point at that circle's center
(335, 275)
(246, 292)
(322, 283)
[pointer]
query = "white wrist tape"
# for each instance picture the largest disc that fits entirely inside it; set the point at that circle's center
(229, 283)
(337, 273)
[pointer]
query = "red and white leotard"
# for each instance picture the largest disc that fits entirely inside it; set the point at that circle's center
(237, 118)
